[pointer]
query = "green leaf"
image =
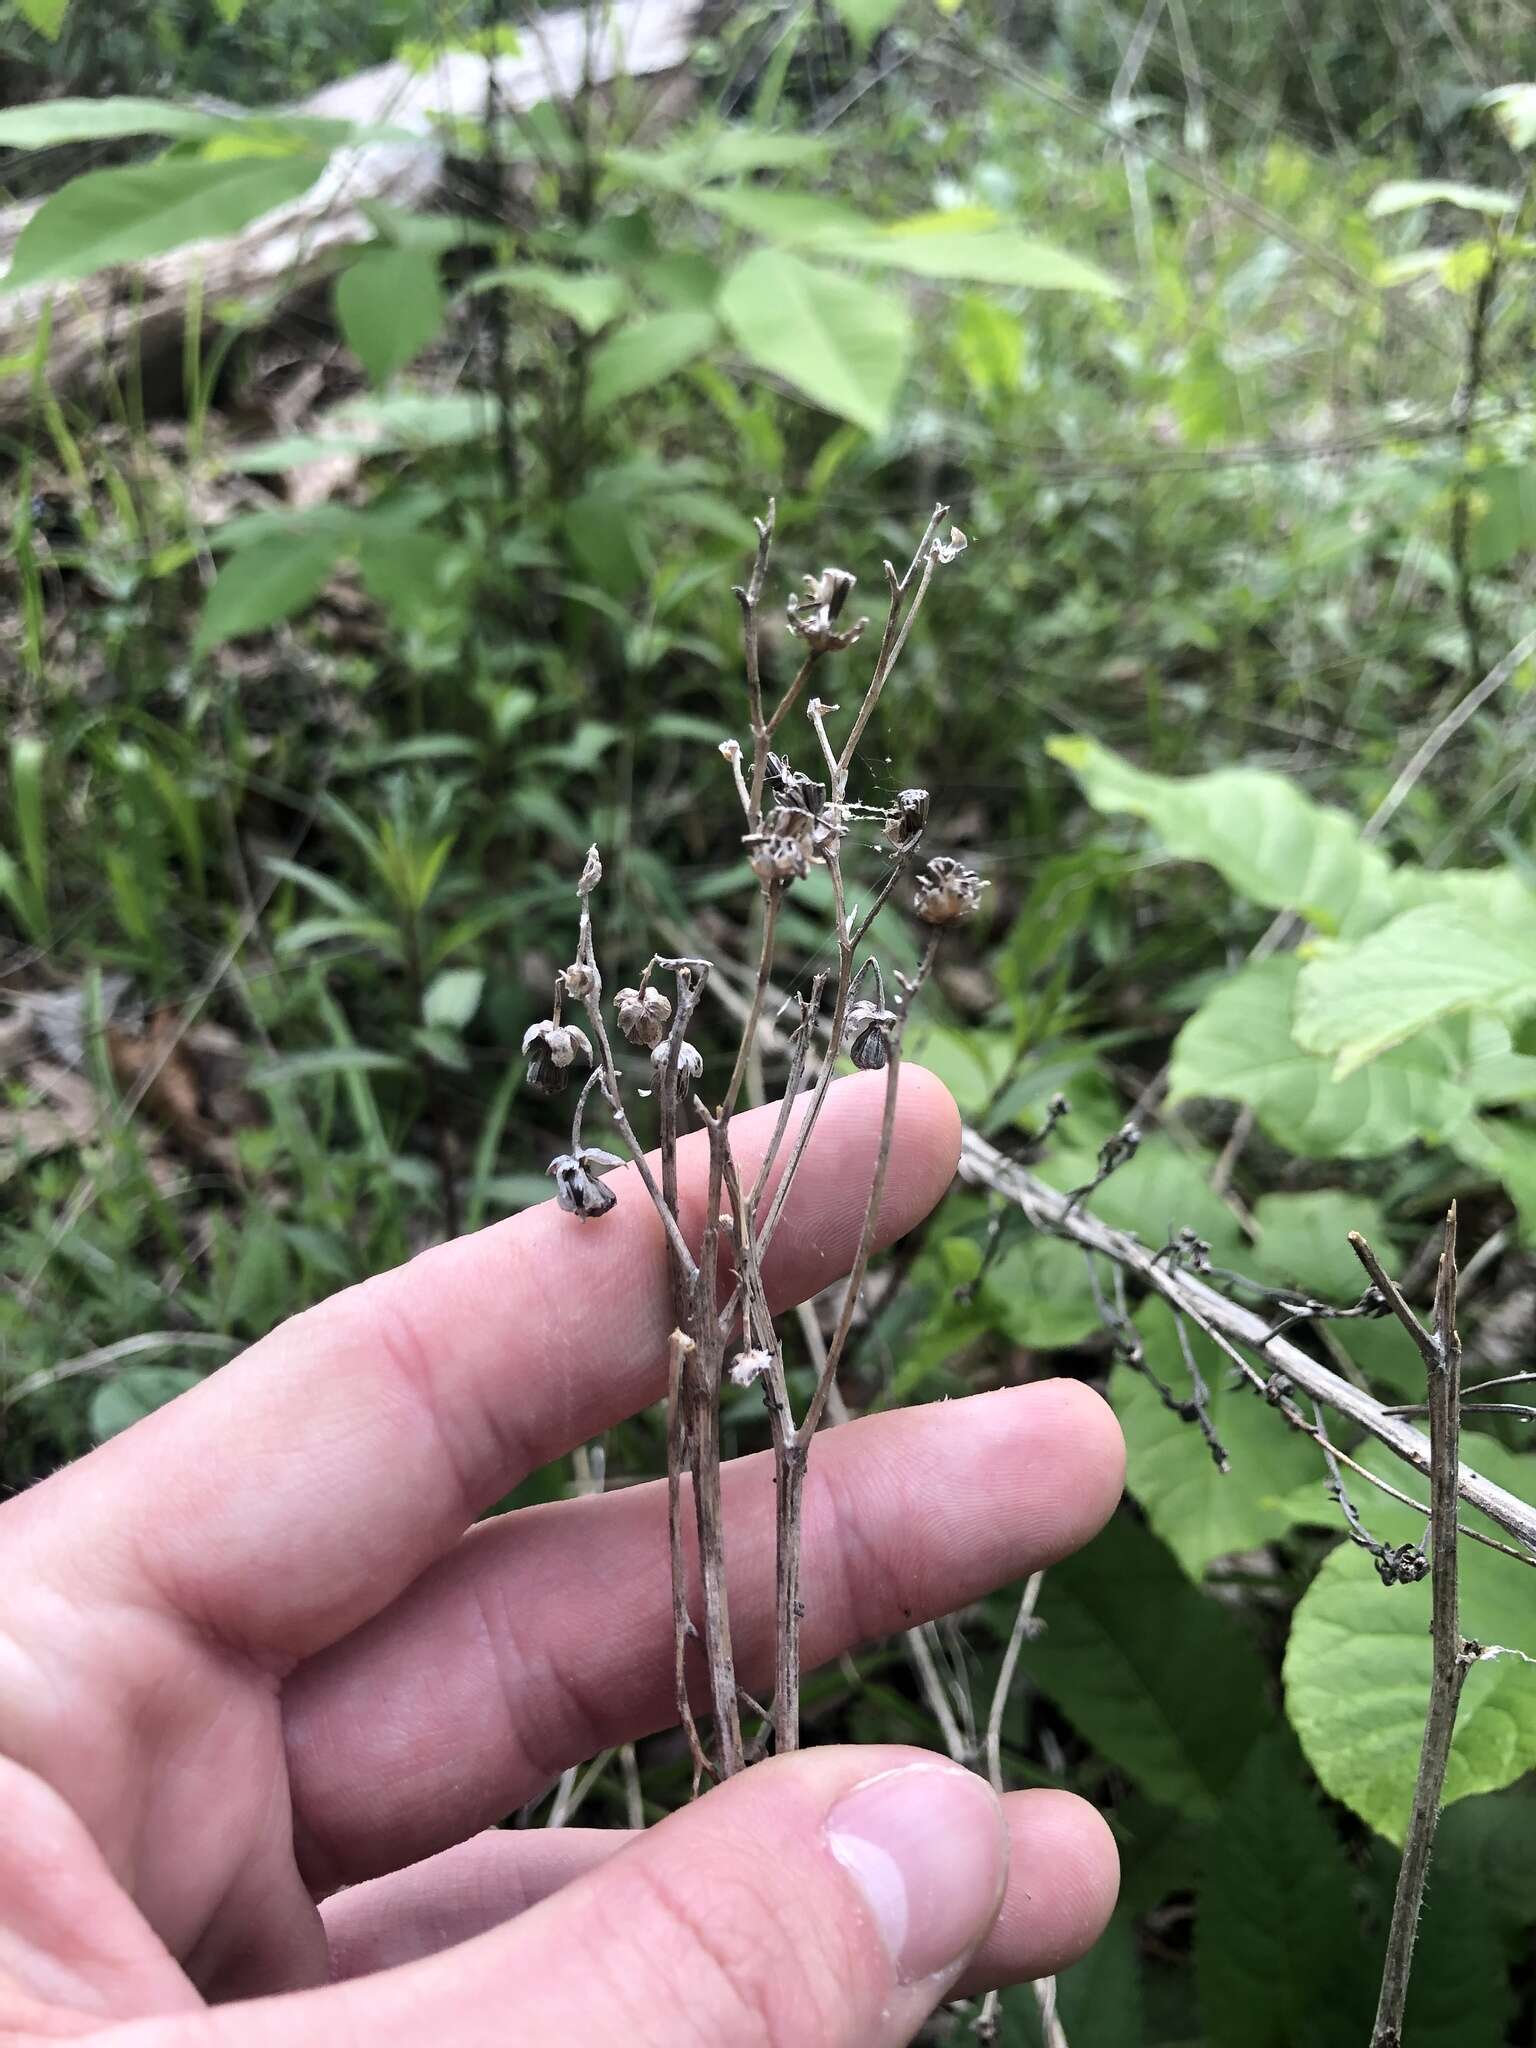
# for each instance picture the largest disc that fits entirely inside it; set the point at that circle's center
(995, 256)
(452, 998)
(135, 1392)
(1276, 1888)
(1037, 1293)
(1357, 1664)
(1270, 842)
(1098, 1998)
(46, 16)
(1436, 962)
(1506, 1149)
(1238, 1045)
(1401, 195)
(591, 298)
(230, 11)
(795, 219)
(1156, 1676)
(272, 580)
(54, 121)
(139, 210)
(972, 1064)
(260, 1286)
(1304, 1242)
(1161, 1191)
(695, 158)
(390, 305)
(644, 353)
(1200, 1512)
(1514, 108)
(841, 344)
(1503, 515)
(396, 423)
(1459, 1993)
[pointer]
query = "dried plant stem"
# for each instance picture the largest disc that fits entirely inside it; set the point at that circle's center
(1452, 1654)
(1230, 1325)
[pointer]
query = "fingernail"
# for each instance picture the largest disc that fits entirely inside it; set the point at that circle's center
(926, 1846)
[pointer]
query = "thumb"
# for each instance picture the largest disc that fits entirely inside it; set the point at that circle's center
(824, 1900)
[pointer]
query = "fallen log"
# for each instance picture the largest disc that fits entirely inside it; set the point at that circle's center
(118, 321)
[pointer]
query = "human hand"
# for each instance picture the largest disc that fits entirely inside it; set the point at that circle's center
(253, 1652)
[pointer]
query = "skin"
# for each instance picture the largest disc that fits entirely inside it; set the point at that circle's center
(267, 1684)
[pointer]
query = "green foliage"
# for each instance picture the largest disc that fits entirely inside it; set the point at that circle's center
(842, 343)
(1357, 1665)
(390, 306)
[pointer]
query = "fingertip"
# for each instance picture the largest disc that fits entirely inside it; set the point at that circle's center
(1063, 1882)
(929, 1134)
(1093, 1448)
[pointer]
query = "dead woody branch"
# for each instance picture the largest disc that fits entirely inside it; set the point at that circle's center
(1452, 1654)
(797, 820)
(1247, 1339)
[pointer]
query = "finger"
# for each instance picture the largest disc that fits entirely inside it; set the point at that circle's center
(547, 1635)
(302, 1487)
(828, 1899)
(1063, 1875)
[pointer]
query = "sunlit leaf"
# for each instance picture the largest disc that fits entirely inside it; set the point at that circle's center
(73, 120)
(590, 298)
(838, 342)
(1402, 195)
(140, 210)
(46, 16)
(644, 353)
(390, 305)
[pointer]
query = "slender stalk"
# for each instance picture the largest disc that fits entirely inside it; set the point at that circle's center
(1452, 1654)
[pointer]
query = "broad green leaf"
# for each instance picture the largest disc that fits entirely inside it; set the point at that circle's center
(259, 585)
(1238, 1045)
(687, 161)
(1200, 1512)
(1504, 515)
(260, 1286)
(995, 256)
(1433, 963)
(646, 352)
(54, 121)
(1037, 1293)
(796, 219)
(838, 342)
(452, 998)
(1270, 842)
(390, 305)
(1304, 1242)
(140, 210)
(1160, 1192)
(1459, 1993)
(590, 298)
(1491, 1842)
(135, 1392)
(1506, 1149)
(1401, 195)
(46, 16)
(230, 11)
(1276, 1887)
(1154, 1674)
(404, 570)
(395, 423)
(1357, 1664)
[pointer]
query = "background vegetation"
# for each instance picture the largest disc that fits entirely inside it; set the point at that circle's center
(326, 656)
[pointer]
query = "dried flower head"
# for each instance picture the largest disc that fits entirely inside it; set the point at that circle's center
(815, 616)
(578, 980)
(867, 1034)
(644, 1014)
(947, 891)
(577, 1188)
(906, 817)
(748, 1366)
(690, 1062)
(946, 550)
(778, 856)
(551, 1048)
(591, 874)
(796, 792)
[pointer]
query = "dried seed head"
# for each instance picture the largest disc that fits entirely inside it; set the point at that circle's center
(578, 980)
(947, 891)
(946, 550)
(777, 856)
(591, 874)
(577, 1188)
(748, 1366)
(867, 1034)
(690, 1062)
(906, 817)
(644, 1015)
(551, 1049)
(795, 791)
(814, 617)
